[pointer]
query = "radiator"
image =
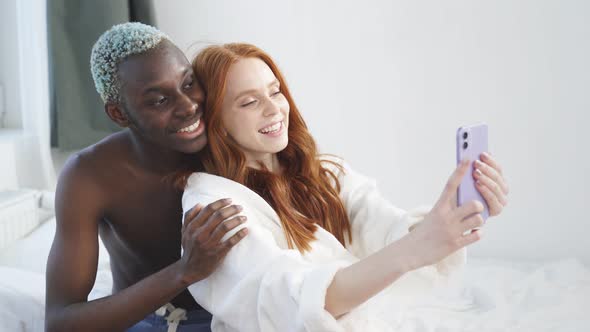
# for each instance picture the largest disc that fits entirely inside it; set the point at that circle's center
(19, 214)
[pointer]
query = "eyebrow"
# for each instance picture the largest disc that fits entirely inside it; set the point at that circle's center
(274, 82)
(156, 86)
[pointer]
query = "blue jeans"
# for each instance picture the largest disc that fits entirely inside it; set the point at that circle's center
(197, 321)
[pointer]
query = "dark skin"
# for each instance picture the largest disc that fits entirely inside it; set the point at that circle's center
(117, 189)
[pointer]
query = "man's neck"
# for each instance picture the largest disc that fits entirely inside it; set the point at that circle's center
(158, 159)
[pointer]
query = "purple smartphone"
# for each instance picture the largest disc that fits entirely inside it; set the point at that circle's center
(472, 141)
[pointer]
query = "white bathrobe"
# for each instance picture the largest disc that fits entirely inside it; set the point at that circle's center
(262, 285)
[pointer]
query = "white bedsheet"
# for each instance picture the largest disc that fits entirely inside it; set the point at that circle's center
(22, 300)
(493, 295)
(506, 296)
(22, 280)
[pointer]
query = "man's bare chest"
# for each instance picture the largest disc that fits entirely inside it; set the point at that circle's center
(145, 219)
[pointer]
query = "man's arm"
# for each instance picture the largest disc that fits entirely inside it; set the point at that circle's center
(72, 263)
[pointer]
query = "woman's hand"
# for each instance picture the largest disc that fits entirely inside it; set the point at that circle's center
(490, 183)
(446, 228)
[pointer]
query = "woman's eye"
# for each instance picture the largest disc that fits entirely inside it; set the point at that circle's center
(189, 85)
(248, 103)
(276, 93)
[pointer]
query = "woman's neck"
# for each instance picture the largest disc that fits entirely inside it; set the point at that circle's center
(270, 162)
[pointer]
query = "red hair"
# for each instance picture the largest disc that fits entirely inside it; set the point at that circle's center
(303, 195)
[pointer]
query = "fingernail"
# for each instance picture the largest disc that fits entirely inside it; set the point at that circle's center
(485, 155)
(477, 172)
(243, 218)
(239, 207)
(227, 200)
(478, 163)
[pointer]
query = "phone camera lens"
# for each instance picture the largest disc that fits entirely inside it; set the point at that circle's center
(465, 145)
(465, 135)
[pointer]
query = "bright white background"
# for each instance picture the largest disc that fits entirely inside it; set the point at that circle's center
(385, 84)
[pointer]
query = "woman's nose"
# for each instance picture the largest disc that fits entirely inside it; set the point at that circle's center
(271, 108)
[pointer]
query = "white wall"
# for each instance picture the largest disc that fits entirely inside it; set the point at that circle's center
(385, 85)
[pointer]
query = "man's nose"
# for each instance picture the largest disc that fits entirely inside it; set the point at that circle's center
(186, 106)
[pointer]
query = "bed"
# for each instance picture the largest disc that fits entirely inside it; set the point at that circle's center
(22, 279)
(491, 295)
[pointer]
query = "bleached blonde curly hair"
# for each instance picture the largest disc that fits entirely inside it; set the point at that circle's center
(114, 46)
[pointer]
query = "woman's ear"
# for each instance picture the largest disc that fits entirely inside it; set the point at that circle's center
(116, 113)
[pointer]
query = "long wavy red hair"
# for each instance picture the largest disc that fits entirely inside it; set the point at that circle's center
(303, 195)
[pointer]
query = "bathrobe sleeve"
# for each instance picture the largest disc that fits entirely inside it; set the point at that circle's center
(375, 222)
(261, 287)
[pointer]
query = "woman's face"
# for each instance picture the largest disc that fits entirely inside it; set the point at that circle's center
(254, 112)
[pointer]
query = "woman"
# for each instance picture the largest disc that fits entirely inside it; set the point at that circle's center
(322, 242)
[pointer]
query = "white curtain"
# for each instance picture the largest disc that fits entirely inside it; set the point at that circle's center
(35, 168)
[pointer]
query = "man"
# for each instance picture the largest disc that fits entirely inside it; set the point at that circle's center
(117, 188)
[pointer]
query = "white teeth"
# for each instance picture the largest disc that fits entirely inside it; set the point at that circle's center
(271, 129)
(190, 128)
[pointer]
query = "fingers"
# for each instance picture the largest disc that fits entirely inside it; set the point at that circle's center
(225, 227)
(454, 181)
(232, 241)
(494, 205)
(488, 159)
(190, 214)
(492, 169)
(472, 222)
(204, 213)
(217, 218)
(493, 186)
(469, 208)
(470, 238)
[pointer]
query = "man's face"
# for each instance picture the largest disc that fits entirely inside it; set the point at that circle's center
(163, 100)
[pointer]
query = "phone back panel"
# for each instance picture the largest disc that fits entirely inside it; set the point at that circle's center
(472, 141)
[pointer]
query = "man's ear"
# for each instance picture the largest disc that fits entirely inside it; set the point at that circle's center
(116, 113)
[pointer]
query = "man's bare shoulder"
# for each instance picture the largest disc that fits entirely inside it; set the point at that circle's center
(90, 170)
(92, 160)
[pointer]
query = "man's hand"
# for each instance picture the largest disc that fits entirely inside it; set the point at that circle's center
(202, 232)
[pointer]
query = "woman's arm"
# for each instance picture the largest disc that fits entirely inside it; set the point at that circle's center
(374, 221)
(261, 286)
(437, 236)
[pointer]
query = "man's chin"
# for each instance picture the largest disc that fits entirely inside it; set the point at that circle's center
(194, 146)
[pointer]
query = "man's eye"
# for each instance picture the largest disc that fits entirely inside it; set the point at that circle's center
(160, 101)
